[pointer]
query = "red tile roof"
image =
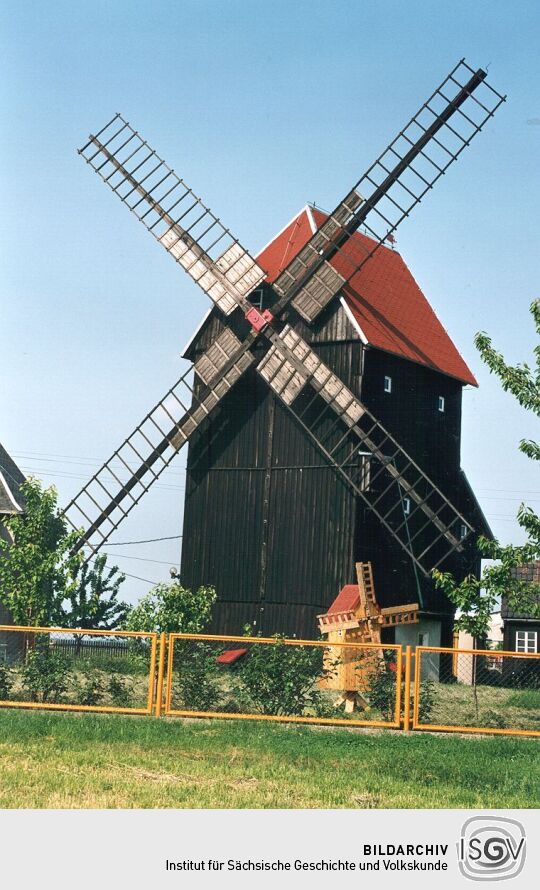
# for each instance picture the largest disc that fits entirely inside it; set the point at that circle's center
(383, 297)
(346, 599)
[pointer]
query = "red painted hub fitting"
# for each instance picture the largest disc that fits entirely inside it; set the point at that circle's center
(259, 320)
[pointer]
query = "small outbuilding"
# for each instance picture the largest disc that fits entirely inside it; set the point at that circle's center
(522, 626)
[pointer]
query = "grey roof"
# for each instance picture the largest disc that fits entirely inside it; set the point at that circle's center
(11, 499)
(529, 572)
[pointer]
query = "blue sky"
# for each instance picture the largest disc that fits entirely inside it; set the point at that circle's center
(260, 107)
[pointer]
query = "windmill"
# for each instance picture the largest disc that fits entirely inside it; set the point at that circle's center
(258, 331)
(356, 617)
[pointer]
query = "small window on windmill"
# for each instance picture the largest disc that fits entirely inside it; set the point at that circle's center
(463, 531)
(406, 506)
(441, 404)
(256, 298)
(387, 384)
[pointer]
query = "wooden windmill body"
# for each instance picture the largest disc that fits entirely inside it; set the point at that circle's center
(356, 617)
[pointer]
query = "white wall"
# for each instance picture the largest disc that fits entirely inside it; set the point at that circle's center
(426, 633)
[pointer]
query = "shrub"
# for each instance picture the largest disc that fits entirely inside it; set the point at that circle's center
(197, 680)
(280, 679)
(427, 701)
(120, 692)
(45, 674)
(6, 682)
(172, 608)
(91, 689)
(382, 686)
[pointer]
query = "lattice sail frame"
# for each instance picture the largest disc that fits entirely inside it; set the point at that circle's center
(394, 184)
(141, 459)
(225, 270)
(173, 214)
(341, 426)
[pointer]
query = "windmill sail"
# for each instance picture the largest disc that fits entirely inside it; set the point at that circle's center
(432, 527)
(389, 190)
(173, 214)
(120, 483)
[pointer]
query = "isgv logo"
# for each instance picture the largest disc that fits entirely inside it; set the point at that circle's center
(491, 848)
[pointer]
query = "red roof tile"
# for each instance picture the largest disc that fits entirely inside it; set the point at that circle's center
(383, 297)
(346, 599)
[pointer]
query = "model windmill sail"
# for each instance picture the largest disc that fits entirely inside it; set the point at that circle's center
(216, 260)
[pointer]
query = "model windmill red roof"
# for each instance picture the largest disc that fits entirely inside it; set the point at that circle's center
(347, 599)
(389, 309)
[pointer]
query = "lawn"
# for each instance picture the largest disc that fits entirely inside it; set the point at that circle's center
(499, 707)
(54, 760)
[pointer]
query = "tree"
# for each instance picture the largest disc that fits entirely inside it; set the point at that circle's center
(42, 582)
(172, 608)
(37, 570)
(477, 598)
(93, 604)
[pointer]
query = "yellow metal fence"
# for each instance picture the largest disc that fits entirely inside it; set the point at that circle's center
(77, 670)
(256, 678)
(477, 690)
(303, 681)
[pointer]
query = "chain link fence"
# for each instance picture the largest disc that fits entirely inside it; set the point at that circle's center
(88, 670)
(278, 679)
(471, 690)
(235, 677)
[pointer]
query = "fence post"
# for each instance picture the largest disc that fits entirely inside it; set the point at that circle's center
(407, 691)
(161, 670)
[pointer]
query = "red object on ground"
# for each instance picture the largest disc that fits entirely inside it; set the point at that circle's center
(385, 301)
(230, 656)
(259, 320)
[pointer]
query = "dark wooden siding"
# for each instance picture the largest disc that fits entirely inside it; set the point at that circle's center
(410, 412)
(273, 527)
(266, 520)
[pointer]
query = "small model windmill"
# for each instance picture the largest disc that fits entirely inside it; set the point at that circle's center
(259, 320)
(356, 617)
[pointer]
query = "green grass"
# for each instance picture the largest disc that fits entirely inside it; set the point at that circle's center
(52, 760)
(502, 707)
(526, 699)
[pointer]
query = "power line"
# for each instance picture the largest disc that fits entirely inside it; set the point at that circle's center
(138, 578)
(128, 575)
(54, 458)
(162, 562)
(147, 541)
(44, 457)
(63, 475)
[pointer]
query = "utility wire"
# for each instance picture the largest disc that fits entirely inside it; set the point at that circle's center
(45, 455)
(162, 562)
(127, 574)
(146, 541)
